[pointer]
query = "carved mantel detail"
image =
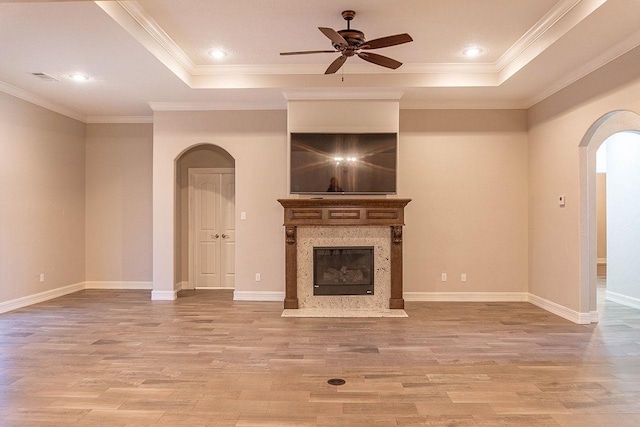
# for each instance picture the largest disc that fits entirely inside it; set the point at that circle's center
(397, 234)
(290, 233)
(343, 212)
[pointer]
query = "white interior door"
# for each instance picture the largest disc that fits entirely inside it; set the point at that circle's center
(212, 228)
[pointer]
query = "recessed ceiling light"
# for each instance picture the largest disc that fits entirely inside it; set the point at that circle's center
(217, 53)
(79, 77)
(472, 51)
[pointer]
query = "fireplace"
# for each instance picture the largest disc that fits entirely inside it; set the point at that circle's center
(340, 222)
(343, 270)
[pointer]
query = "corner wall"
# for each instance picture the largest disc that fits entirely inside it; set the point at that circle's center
(557, 273)
(118, 205)
(257, 141)
(466, 171)
(42, 200)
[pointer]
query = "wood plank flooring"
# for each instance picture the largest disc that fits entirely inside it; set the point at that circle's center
(115, 358)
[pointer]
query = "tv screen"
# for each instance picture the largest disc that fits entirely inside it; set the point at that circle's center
(346, 163)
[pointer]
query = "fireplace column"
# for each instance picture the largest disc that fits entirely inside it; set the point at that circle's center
(397, 299)
(291, 272)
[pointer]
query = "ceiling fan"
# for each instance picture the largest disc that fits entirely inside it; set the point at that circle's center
(350, 42)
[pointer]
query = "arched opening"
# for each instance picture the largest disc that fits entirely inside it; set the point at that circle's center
(204, 218)
(608, 125)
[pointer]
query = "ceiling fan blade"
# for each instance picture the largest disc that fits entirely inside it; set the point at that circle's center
(334, 36)
(335, 65)
(384, 61)
(306, 52)
(387, 41)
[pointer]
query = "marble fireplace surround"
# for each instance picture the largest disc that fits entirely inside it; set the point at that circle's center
(334, 221)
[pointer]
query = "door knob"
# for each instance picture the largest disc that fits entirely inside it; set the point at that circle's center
(225, 236)
(215, 236)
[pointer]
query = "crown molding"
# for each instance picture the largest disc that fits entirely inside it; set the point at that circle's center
(599, 61)
(135, 20)
(119, 119)
(353, 94)
(40, 102)
(554, 25)
(461, 105)
(216, 106)
(350, 68)
(535, 32)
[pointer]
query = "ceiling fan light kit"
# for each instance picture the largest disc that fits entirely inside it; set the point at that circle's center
(350, 42)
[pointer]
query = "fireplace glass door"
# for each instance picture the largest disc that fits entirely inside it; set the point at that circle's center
(343, 270)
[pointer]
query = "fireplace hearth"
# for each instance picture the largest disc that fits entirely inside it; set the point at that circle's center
(344, 270)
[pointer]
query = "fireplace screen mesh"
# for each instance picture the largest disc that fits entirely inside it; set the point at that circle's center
(344, 270)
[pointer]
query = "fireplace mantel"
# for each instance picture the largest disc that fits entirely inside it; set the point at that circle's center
(343, 212)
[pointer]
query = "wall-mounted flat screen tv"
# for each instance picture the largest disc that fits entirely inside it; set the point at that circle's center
(346, 163)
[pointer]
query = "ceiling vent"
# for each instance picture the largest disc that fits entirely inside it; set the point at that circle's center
(45, 77)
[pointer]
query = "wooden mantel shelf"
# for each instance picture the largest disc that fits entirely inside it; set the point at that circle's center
(343, 212)
(361, 212)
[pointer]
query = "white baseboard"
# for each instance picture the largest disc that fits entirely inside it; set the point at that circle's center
(622, 299)
(40, 297)
(552, 307)
(467, 296)
(562, 311)
(119, 285)
(258, 296)
(164, 295)
(182, 285)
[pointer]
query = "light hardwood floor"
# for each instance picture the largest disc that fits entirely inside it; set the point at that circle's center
(111, 358)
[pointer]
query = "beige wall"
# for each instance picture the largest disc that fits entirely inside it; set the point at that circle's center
(42, 199)
(556, 128)
(257, 141)
(202, 156)
(118, 202)
(466, 171)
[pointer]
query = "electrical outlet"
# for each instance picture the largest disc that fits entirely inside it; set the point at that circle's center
(463, 277)
(41, 277)
(444, 277)
(257, 277)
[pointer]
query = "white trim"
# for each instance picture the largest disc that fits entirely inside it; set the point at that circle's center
(594, 316)
(562, 311)
(119, 119)
(622, 299)
(40, 102)
(547, 22)
(217, 106)
(133, 19)
(118, 285)
(164, 295)
(211, 288)
(258, 296)
(184, 285)
(17, 303)
(611, 54)
(351, 94)
(467, 296)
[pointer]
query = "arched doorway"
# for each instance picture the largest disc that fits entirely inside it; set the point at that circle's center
(606, 126)
(205, 218)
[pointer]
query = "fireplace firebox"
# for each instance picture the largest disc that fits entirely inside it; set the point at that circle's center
(343, 270)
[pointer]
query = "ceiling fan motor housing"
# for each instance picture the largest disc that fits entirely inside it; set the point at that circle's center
(353, 37)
